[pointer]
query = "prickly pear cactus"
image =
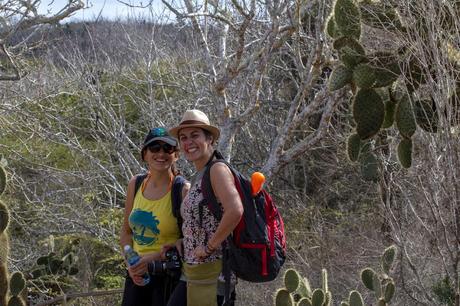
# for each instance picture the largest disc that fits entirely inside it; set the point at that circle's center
(392, 65)
(298, 291)
(381, 283)
(4, 244)
(17, 282)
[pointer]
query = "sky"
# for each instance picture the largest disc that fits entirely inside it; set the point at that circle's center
(109, 9)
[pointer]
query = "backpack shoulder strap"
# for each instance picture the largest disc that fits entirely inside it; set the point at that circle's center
(206, 186)
(176, 199)
(139, 179)
(176, 194)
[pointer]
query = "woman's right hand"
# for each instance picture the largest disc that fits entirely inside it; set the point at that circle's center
(137, 278)
(166, 247)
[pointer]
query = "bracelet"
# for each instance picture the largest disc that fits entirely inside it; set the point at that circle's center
(208, 250)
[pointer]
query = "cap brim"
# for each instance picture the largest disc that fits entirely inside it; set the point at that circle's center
(168, 140)
(212, 129)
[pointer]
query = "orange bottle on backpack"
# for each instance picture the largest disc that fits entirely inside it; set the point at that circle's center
(257, 182)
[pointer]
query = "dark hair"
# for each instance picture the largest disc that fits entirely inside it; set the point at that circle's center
(175, 171)
(209, 135)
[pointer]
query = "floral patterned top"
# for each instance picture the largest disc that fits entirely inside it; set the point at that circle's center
(194, 233)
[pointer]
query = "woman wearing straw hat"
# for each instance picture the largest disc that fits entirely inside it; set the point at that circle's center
(203, 234)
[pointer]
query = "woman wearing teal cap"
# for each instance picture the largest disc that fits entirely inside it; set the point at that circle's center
(149, 221)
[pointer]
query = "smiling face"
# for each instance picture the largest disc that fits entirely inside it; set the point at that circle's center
(196, 145)
(159, 156)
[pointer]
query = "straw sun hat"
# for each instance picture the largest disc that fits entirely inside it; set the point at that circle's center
(195, 118)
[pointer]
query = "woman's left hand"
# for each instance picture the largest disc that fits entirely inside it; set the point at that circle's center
(200, 252)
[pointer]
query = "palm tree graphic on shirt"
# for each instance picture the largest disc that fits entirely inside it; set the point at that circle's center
(144, 226)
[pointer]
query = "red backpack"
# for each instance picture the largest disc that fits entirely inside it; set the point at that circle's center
(256, 250)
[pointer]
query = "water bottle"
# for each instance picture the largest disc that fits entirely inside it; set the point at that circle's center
(132, 258)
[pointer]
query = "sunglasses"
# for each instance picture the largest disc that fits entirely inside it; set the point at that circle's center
(156, 147)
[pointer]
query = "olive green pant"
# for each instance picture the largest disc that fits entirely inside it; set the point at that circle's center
(202, 283)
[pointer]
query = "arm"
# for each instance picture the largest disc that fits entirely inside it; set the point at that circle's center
(223, 184)
(125, 233)
(126, 236)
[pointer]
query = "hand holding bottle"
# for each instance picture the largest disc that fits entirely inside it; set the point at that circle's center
(132, 259)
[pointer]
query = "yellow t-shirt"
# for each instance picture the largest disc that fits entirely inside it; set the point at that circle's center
(152, 223)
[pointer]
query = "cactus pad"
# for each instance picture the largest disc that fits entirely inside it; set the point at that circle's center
(2, 180)
(351, 53)
(16, 301)
(353, 147)
(17, 283)
(384, 77)
(377, 284)
(390, 109)
(355, 299)
(380, 16)
(404, 118)
(4, 248)
(364, 76)
(318, 298)
(388, 258)
(283, 298)
(426, 115)
(291, 280)
(381, 302)
(340, 77)
(3, 283)
(405, 159)
(304, 302)
(369, 168)
(4, 217)
(415, 76)
(331, 27)
(347, 18)
(367, 278)
(368, 112)
(389, 292)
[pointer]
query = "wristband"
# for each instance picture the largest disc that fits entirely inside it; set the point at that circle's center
(208, 250)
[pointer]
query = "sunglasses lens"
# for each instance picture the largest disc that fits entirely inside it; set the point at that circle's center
(156, 147)
(168, 148)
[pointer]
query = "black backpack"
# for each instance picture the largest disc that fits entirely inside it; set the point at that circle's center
(176, 195)
(256, 250)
